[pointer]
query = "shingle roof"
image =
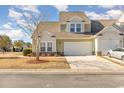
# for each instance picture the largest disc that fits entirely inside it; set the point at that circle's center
(98, 25)
(113, 27)
(65, 16)
(71, 35)
(120, 28)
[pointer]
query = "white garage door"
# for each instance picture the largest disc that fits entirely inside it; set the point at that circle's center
(77, 48)
(109, 44)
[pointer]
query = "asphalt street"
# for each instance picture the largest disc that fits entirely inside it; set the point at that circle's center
(60, 81)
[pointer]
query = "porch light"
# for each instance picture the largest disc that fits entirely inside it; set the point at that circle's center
(39, 36)
(82, 21)
(68, 21)
(121, 34)
(53, 36)
(100, 35)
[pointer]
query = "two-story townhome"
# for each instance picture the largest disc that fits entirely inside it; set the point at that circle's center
(76, 34)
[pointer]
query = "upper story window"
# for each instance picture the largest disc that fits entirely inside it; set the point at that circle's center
(75, 27)
(72, 27)
(78, 27)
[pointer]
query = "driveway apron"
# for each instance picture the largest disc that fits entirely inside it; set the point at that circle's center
(92, 63)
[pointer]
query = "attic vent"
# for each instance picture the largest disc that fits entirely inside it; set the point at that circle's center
(63, 27)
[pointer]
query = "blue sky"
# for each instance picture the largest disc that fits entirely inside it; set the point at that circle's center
(10, 13)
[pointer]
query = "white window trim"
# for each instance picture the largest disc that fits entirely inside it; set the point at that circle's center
(46, 46)
(75, 23)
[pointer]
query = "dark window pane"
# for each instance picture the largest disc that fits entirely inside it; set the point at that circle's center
(42, 49)
(78, 27)
(49, 49)
(122, 50)
(72, 28)
(118, 49)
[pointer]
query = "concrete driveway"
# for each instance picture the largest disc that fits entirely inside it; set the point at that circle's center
(92, 63)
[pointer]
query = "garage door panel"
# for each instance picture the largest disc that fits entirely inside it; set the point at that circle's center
(109, 44)
(77, 48)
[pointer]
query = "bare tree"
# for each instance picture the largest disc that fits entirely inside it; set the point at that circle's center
(29, 24)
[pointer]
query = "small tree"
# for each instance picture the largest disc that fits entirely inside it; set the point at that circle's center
(5, 42)
(19, 43)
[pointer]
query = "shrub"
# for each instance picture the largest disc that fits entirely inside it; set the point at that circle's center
(27, 51)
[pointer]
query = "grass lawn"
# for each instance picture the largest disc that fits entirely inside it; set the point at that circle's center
(10, 54)
(29, 63)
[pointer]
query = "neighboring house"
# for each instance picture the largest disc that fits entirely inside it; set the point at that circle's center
(76, 34)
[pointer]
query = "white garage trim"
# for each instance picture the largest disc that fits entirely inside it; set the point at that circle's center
(78, 48)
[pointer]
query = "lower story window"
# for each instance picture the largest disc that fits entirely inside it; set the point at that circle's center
(46, 47)
(42, 48)
(49, 46)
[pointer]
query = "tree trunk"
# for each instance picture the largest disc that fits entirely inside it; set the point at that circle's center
(37, 57)
(37, 50)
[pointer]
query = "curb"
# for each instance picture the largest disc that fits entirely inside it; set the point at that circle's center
(113, 60)
(60, 72)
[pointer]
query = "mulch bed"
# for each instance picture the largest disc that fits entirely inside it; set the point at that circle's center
(37, 62)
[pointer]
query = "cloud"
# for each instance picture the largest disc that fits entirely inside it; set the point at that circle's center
(7, 26)
(13, 32)
(14, 14)
(107, 6)
(114, 14)
(30, 8)
(61, 7)
(93, 15)
(27, 14)
(121, 19)
(110, 14)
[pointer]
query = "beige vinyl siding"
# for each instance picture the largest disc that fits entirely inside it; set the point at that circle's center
(63, 27)
(87, 27)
